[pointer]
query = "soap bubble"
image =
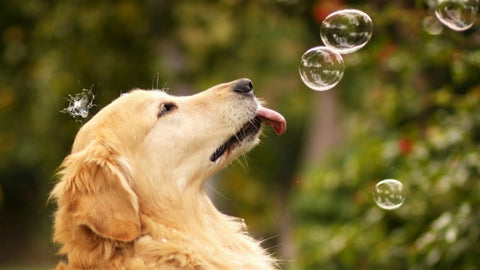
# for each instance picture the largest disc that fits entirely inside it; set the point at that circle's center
(346, 30)
(432, 25)
(321, 68)
(458, 15)
(389, 194)
(80, 104)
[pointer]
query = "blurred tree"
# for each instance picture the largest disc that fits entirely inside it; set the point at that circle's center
(421, 130)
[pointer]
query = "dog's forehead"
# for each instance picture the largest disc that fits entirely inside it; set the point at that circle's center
(140, 95)
(114, 115)
(138, 99)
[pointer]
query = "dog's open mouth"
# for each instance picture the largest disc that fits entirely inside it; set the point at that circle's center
(250, 129)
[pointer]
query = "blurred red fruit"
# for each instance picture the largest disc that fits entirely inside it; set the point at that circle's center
(405, 146)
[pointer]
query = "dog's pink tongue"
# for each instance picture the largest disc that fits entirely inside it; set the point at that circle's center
(271, 117)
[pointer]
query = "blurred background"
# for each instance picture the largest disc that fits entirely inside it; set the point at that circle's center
(407, 108)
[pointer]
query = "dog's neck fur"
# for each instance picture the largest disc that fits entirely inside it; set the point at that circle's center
(208, 230)
(203, 243)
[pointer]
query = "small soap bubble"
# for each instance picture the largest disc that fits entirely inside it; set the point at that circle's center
(389, 194)
(321, 68)
(458, 15)
(80, 104)
(346, 30)
(432, 25)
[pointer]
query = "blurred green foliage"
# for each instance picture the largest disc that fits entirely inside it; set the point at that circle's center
(408, 107)
(415, 120)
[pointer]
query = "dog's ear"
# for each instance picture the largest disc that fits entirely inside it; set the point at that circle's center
(94, 191)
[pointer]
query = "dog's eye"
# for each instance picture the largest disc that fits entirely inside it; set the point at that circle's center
(166, 108)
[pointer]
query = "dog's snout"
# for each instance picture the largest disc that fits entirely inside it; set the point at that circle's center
(243, 86)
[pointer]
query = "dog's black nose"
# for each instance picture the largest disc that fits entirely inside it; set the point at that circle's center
(243, 86)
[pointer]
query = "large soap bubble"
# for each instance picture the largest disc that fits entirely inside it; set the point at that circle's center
(458, 15)
(321, 68)
(389, 194)
(346, 30)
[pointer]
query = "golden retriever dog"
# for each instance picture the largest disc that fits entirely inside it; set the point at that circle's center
(130, 194)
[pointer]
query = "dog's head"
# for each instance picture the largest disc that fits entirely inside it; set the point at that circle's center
(147, 142)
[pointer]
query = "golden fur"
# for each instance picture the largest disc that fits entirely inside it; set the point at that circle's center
(130, 193)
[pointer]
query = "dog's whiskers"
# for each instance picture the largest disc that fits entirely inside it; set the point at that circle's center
(210, 187)
(243, 161)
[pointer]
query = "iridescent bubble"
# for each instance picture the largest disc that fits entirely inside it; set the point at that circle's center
(80, 104)
(389, 194)
(346, 30)
(458, 15)
(321, 68)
